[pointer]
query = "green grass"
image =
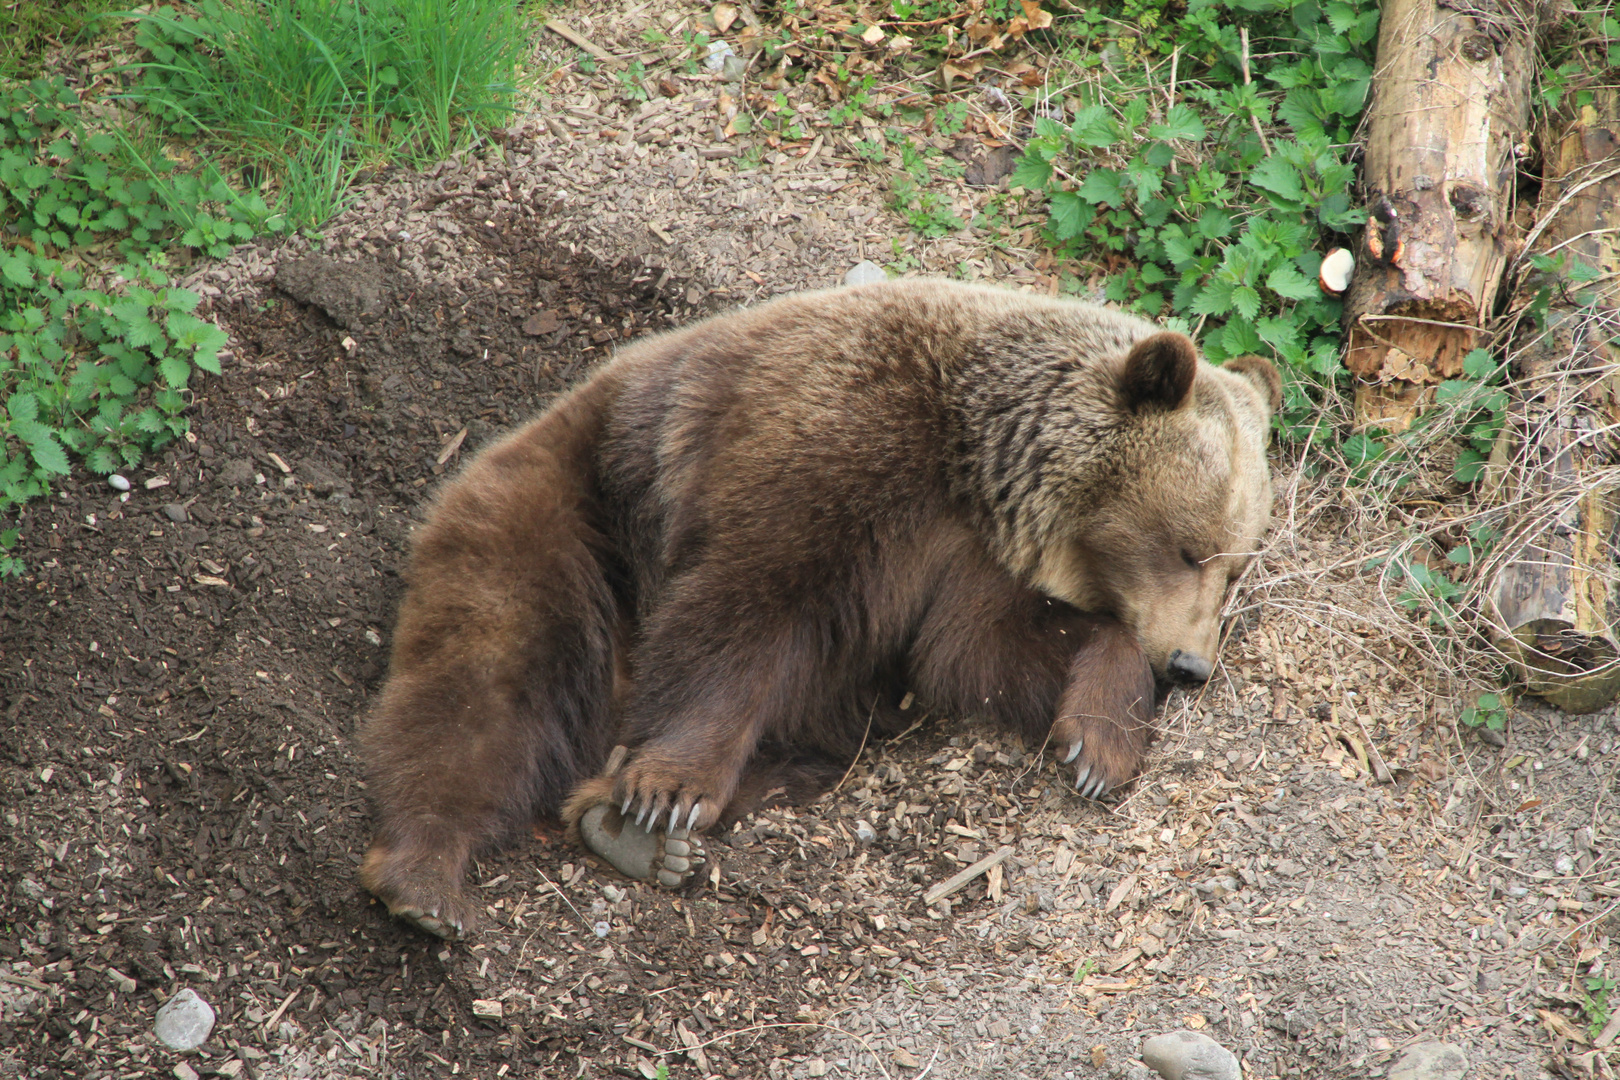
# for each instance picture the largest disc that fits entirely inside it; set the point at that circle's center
(309, 90)
(34, 27)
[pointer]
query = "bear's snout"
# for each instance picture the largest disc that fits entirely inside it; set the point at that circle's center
(1187, 667)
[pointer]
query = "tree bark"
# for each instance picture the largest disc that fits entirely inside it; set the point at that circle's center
(1450, 105)
(1554, 604)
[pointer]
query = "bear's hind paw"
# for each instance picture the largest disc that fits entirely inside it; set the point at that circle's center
(449, 929)
(669, 857)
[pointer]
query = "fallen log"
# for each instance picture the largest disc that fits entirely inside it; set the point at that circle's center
(1554, 603)
(1450, 101)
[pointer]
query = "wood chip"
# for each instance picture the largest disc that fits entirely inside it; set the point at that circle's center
(567, 33)
(452, 446)
(956, 881)
(282, 465)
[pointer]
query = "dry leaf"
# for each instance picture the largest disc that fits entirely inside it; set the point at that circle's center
(1037, 19)
(1561, 1026)
(873, 35)
(724, 15)
(906, 1058)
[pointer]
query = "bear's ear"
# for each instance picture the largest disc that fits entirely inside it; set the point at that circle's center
(1159, 371)
(1259, 370)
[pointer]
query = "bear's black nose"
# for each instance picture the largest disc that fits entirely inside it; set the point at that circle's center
(1187, 667)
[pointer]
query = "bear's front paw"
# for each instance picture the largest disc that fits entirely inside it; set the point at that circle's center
(655, 793)
(422, 888)
(670, 857)
(1105, 753)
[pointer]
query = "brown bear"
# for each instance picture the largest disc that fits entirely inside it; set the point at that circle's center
(705, 575)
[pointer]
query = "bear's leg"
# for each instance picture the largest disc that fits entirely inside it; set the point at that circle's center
(1105, 717)
(991, 646)
(711, 683)
(500, 689)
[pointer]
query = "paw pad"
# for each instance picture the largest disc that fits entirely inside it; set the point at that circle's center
(668, 856)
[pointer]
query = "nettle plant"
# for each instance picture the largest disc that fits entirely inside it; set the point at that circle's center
(1209, 223)
(100, 374)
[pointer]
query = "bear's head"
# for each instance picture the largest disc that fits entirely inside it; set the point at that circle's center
(1176, 505)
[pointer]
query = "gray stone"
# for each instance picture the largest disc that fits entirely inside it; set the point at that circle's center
(864, 273)
(184, 1021)
(1430, 1061)
(1189, 1055)
(176, 513)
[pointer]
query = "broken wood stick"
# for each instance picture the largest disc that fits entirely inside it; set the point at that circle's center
(958, 880)
(567, 33)
(1450, 101)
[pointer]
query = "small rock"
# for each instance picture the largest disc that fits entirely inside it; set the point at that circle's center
(905, 1058)
(1430, 1061)
(864, 273)
(1492, 737)
(1189, 1055)
(176, 513)
(184, 1021)
(864, 832)
(118, 483)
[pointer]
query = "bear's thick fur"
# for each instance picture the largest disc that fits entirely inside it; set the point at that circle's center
(737, 546)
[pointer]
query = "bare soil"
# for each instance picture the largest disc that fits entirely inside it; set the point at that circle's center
(1318, 868)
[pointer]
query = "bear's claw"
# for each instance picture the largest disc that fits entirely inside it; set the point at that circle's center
(670, 857)
(428, 921)
(1074, 752)
(1090, 787)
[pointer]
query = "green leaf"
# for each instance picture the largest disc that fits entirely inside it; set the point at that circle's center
(1032, 173)
(23, 405)
(175, 371)
(48, 453)
(1278, 177)
(1093, 128)
(1246, 300)
(1479, 364)
(1286, 281)
(1181, 123)
(101, 460)
(1470, 466)
(17, 271)
(1215, 299)
(1103, 187)
(144, 334)
(1069, 215)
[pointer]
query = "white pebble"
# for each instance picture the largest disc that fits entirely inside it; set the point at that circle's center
(184, 1021)
(602, 928)
(118, 483)
(1189, 1055)
(864, 273)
